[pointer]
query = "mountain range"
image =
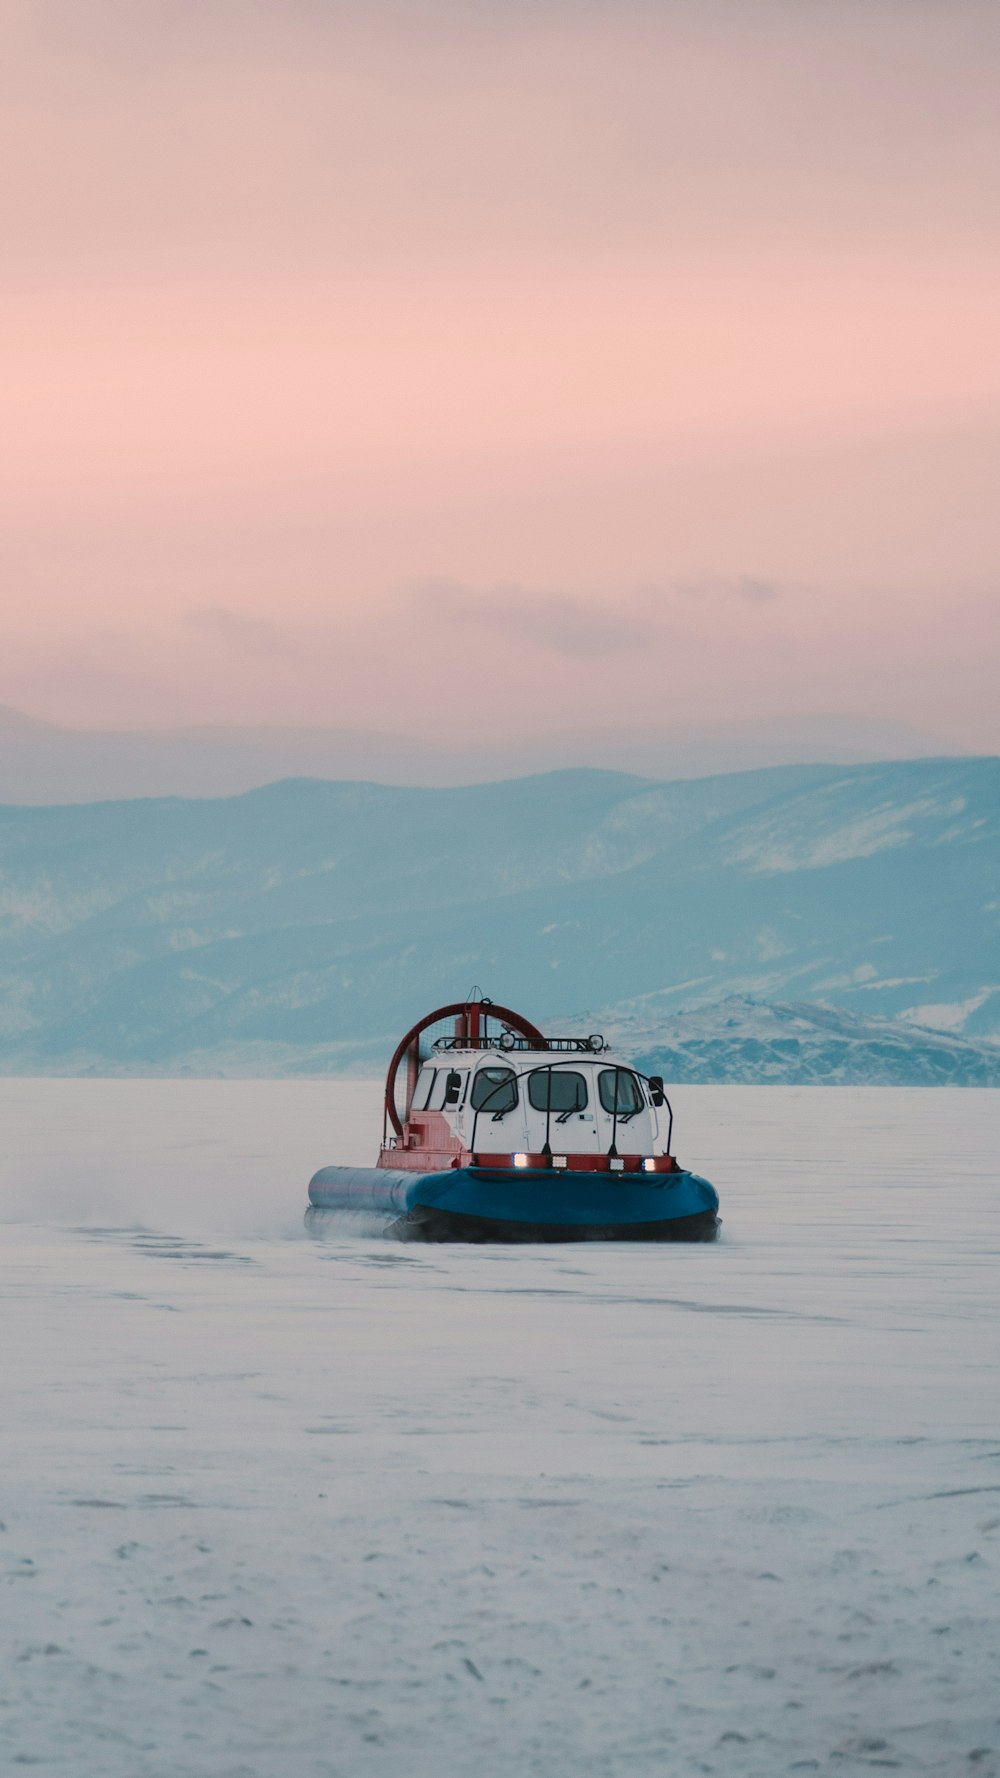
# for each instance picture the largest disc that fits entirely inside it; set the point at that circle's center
(302, 926)
(43, 762)
(754, 1042)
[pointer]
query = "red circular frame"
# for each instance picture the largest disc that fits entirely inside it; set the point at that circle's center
(487, 1008)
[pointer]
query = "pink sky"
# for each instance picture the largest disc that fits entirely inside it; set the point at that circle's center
(617, 358)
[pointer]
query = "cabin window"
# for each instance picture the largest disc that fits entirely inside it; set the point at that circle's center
(620, 1092)
(425, 1099)
(439, 1098)
(557, 1089)
(494, 1090)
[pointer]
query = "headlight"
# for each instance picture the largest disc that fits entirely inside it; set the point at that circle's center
(520, 1160)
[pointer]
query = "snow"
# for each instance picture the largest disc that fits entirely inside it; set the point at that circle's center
(948, 1017)
(776, 845)
(277, 1507)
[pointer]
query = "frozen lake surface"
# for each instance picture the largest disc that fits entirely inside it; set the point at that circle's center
(277, 1507)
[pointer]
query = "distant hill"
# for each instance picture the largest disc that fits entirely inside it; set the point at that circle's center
(19, 723)
(753, 1042)
(300, 927)
(43, 763)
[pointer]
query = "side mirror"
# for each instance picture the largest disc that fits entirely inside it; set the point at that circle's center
(656, 1092)
(453, 1087)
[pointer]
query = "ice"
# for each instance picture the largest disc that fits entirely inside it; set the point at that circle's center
(277, 1507)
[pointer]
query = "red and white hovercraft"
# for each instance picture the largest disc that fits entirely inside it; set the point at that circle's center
(493, 1132)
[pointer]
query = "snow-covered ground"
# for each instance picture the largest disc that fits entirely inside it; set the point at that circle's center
(277, 1507)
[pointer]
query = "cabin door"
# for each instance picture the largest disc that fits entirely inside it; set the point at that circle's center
(622, 1118)
(561, 1103)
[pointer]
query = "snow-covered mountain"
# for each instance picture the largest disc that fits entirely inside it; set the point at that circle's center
(757, 1041)
(303, 925)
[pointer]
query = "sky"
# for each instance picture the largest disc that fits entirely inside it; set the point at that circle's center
(418, 365)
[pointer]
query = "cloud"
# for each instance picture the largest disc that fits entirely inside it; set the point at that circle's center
(577, 123)
(562, 623)
(755, 592)
(746, 588)
(248, 635)
(587, 628)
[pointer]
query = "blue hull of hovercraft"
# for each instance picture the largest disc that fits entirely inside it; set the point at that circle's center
(525, 1204)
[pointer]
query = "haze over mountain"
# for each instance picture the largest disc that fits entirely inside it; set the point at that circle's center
(303, 925)
(42, 762)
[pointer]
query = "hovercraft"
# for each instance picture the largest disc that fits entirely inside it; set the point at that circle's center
(497, 1133)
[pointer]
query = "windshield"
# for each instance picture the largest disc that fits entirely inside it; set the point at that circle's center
(557, 1089)
(620, 1092)
(495, 1090)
